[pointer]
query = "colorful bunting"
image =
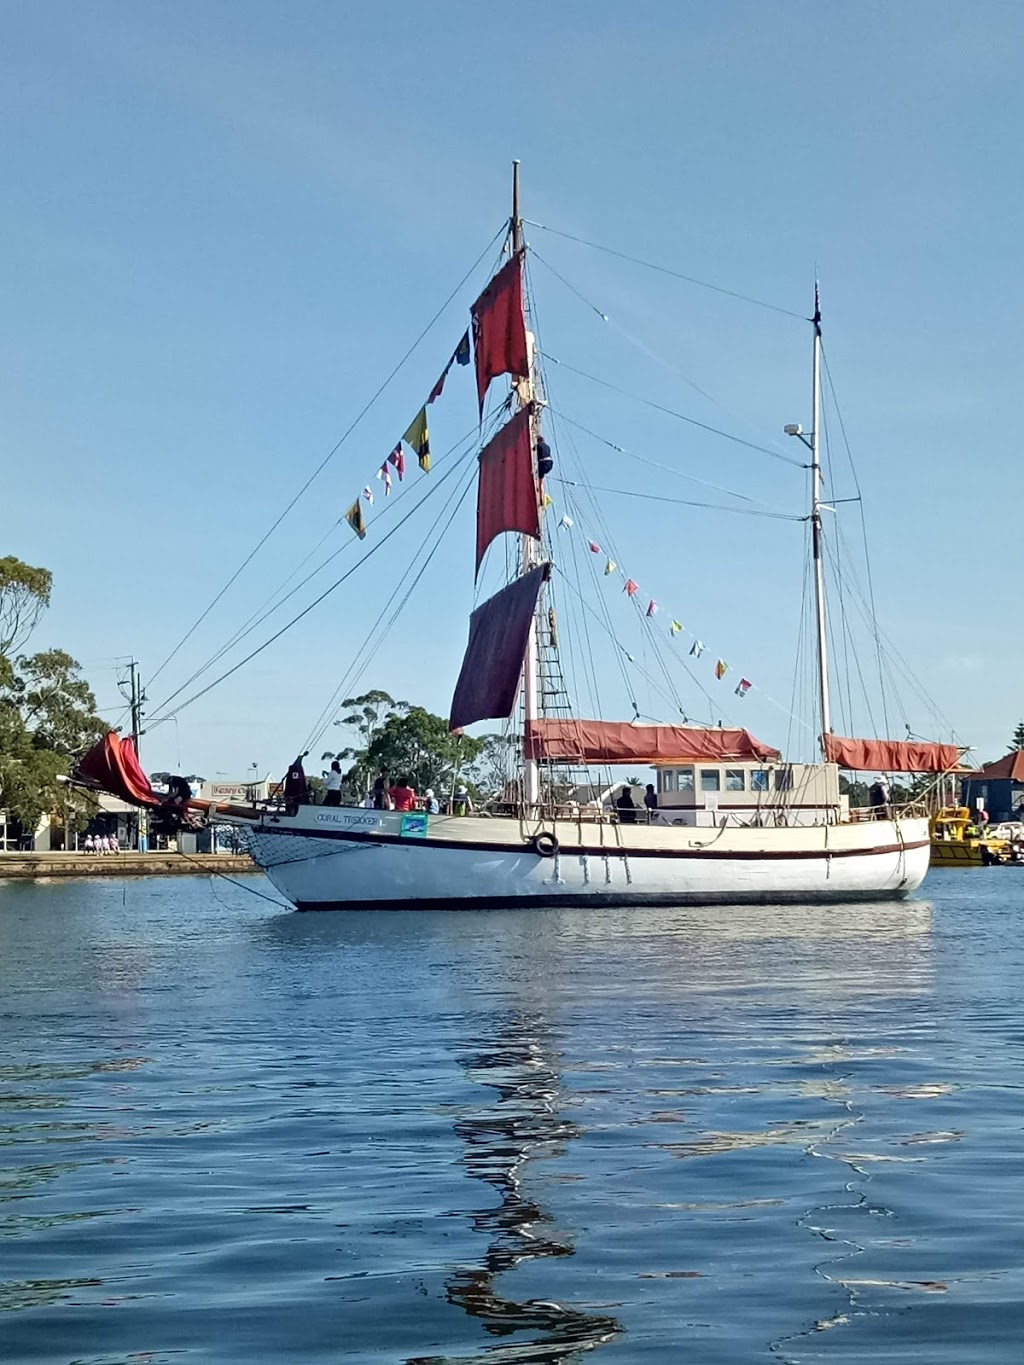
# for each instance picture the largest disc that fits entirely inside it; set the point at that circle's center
(721, 669)
(547, 500)
(610, 567)
(675, 627)
(384, 473)
(461, 356)
(417, 436)
(595, 549)
(697, 649)
(631, 589)
(744, 687)
(397, 458)
(652, 608)
(566, 522)
(354, 517)
(368, 494)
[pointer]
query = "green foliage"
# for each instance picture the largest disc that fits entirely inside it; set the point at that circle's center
(1018, 736)
(47, 713)
(24, 596)
(418, 744)
(857, 791)
(495, 767)
(364, 714)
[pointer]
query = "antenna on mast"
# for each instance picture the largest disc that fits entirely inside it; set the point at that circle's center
(517, 222)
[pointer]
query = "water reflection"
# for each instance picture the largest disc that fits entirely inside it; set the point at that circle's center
(524, 1124)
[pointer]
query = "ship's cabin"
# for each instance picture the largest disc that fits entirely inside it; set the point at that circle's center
(748, 792)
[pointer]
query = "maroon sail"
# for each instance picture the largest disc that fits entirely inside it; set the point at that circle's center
(113, 766)
(612, 741)
(506, 497)
(499, 327)
(499, 631)
(891, 755)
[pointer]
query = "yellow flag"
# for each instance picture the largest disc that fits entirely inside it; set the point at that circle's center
(354, 517)
(676, 627)
(418, 437)
(610, 567)
(547, 500)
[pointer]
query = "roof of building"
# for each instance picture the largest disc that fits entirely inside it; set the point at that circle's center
(1010, 766)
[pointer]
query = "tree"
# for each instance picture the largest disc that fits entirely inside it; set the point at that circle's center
(496, 766)
(419, 745)
(24, 596)
(47, 717)
(366, 714)
(1018, 736)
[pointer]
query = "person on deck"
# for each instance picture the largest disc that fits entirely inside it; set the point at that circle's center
(878, 795)
(650, 801)
(430, 803)
(296, 788)
(624, 805)
(381, 795)
(332, 796)
(403, 796)
(461, 802)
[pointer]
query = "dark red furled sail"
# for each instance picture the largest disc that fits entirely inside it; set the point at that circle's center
(113, 766)
(891, 755)
(506, 497)
(499, 328)
(499, 632)
(612, 741)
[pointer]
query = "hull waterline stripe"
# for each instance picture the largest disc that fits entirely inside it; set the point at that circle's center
(592, 851)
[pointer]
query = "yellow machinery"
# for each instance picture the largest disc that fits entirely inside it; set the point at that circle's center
(958, 842)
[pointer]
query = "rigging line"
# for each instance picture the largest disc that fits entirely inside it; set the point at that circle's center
(328, 457)
(642, 345)
(356, 669)
(671, 412)
(642, 459)
(267, 610)
(620, 646)
(666, 270)
(686, 502)
(864, 536)
(307, 609)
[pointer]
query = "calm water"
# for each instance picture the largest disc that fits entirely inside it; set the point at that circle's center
(235, 1134)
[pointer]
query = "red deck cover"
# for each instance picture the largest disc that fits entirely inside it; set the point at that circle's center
(499, 631)
(506, 497)
(891, 755)
(113, 765)
(499, 327)
(613, 741)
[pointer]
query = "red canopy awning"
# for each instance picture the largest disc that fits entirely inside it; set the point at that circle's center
(113, 766)
(611, 741)
(891, 755)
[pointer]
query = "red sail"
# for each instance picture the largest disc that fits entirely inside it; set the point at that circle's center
(499, 631)
(891, 755)
(499, 327)
(506, 497)
(611, 741)
(113, 766)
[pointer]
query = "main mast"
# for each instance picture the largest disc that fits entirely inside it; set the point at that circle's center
(528, 558)
(816, 505)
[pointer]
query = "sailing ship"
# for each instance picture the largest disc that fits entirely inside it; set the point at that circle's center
(734, 823)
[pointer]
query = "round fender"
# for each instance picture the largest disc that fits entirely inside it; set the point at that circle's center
(545, 844)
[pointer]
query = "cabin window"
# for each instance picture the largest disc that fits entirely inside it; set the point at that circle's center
(710, 780)
(666, 780)
(734, 780)
(684, 779)
(759, 780)
(783, 779)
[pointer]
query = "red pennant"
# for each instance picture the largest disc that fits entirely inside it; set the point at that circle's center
(397, 458)
(595, 549)
(631, 588)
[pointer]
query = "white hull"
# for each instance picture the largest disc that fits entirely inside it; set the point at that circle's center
(333, 858)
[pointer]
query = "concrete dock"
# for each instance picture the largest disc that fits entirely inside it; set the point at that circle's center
(169, 864)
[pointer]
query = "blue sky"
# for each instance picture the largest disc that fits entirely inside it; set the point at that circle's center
(223, 224)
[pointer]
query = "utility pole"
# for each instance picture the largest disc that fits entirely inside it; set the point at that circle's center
(137, 698)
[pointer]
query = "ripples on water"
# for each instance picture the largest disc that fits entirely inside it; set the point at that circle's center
(231, 1134)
